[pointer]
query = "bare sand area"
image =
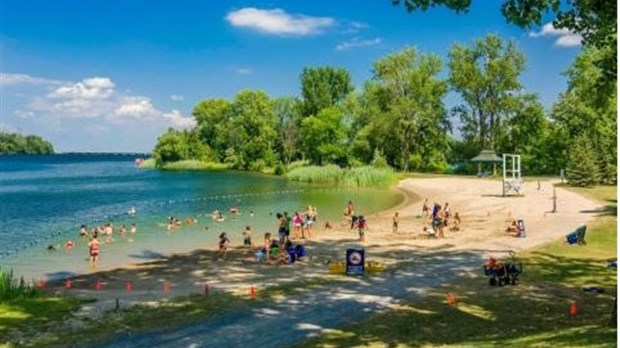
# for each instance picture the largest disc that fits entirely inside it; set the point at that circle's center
(485, 214)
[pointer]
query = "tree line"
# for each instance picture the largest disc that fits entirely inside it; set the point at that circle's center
(18, 144)
(399, 115)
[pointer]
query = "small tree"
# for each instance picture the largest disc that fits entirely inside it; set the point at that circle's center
(582, 167)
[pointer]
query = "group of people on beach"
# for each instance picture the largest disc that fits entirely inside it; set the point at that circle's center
(439, 218)
(280, 250)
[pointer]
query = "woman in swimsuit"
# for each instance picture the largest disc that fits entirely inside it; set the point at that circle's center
(93, 247)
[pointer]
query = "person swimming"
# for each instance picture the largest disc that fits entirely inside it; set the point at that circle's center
(131, 211)
(83, 231)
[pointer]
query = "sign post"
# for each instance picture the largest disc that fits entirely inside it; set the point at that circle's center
(355, 262)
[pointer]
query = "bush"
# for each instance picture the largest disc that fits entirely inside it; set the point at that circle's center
(280, 169)
(12, 288)
(194, 165)
(378, 160)
(297, 164)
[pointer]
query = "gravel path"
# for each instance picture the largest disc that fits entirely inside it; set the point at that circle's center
(293, 319)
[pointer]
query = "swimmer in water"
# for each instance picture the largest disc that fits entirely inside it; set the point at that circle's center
(131, 211)
(83, 231)
(133, 229)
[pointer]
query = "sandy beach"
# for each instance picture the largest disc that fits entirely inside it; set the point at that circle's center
(484, 212)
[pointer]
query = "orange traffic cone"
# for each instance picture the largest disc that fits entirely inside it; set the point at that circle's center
(166, 287)
(99, 285)
(42, 284)
(252, 291)
(129, 287)
(573, 308)
(207, 289)
(451, 299)
(68, 284)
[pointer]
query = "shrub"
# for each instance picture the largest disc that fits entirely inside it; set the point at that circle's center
(582, 169)
(330, 174)
(12, 288)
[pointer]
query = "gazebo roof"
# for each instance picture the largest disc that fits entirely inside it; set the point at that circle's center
(486, 156)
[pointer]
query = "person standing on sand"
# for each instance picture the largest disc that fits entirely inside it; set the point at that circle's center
(362, 227)
(281, 227)
(93, 248)
(425, 208)
(297, 222)
(395, 223)
(288, 220)
(224, 242)
(349, 212)
(310, 219)
(247, 237)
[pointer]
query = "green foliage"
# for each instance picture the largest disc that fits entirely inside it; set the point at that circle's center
(12, 288)
(297, 164)
(324, 137)
(194, 165)
(18, 144)
(582, 169)
(378, 160)
(170, 147)
(596, 21)
(366, 176)
(323, 87)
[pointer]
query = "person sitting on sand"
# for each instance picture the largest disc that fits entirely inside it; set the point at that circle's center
(247, 237)
(224, 242)
(512, 228)
(328, 225)
(428, 232)
(93, 248)
(456, 223)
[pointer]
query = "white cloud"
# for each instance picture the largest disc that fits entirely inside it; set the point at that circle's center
(357, 43)
(177, 97)
(89, 88)
(278, 21)
(571, 40)
(243, 71)
(354, 27)
(178, 121)
(24, 79)
(136, 107)
(565, 38)
(7, 128)
(24, 114)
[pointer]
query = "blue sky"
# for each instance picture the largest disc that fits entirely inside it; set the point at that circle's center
(113, 75)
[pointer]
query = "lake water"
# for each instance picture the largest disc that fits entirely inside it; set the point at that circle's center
(44, 200)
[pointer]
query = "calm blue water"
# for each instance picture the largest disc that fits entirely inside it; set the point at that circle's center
(44, 200)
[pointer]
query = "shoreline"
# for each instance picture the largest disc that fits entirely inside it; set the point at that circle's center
(484, 218)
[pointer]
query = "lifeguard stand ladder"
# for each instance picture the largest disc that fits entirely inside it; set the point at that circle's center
(512, 174)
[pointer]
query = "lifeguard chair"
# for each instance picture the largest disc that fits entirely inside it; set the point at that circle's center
(511, 181)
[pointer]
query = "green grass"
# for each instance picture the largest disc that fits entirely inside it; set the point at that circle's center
(13, 288)
(533, 314)
(185, 165)
(332, 174)
(49, 315)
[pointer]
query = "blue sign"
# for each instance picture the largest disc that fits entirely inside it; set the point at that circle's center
(355, 262)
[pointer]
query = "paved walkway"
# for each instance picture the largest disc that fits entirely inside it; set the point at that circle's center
(291, 320)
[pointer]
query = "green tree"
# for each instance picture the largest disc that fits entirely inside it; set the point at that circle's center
(581, 111)
(407, 116)
(170, 147)
(596, 21)
(212, 116)
(324, 137)
(323, 87)
(582, 169)
(287, 110)
(486, 78)
(15, 143)
(251, 130)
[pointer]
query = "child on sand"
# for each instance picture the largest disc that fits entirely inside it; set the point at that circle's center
(93, 247)
(425, 208)
(362, 227)
(395, 223)
(224, 242)
(247, 236)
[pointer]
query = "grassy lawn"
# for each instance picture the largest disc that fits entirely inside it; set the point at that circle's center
(43, 322)
(533, 314)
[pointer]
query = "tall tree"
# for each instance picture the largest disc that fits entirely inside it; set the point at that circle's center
(486, 77)
(211, 122)
(581, 111)
(595, 20)
(287, 110)
(323, 87)
(324, 137)
(251, 131)
(409, 116)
